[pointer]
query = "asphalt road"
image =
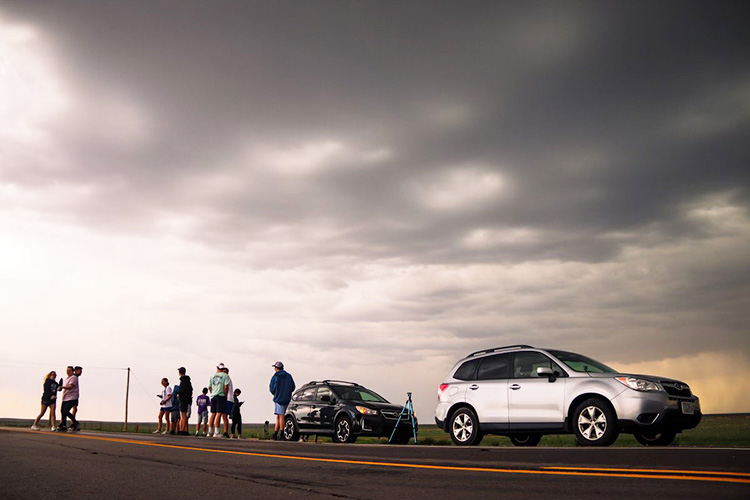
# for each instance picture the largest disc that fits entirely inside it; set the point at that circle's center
(85, 465)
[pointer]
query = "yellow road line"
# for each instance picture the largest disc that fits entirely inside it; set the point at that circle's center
(668, 471)
(544, 471)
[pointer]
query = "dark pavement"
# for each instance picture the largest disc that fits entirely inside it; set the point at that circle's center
(97, 465)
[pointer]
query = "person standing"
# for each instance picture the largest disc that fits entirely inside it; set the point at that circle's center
(236, 415)
(282, 386)
(49, 400)
(174, 412)
(203, 402)
(186, 399)
(78, 371)
(165, 406)
(69, 401)
(219, 384)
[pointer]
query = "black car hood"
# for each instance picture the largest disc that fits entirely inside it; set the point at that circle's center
(374, 405)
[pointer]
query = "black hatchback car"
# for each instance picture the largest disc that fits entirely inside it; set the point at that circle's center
(344, 411)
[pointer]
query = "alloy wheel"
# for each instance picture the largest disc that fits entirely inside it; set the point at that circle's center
(592, 423)
(463, 427)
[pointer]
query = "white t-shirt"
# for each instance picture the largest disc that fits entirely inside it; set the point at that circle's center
(230, 396)
(164, 395)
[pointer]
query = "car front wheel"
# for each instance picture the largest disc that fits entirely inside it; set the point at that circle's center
(342, 431)
(464, 428)
(595, 423)
(663, 438)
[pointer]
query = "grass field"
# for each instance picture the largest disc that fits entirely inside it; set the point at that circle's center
(714, 430)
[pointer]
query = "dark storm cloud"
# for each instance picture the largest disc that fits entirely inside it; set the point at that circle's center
(426, 133)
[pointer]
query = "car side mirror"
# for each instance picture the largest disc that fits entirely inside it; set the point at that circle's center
(326, 398)
(546, 371)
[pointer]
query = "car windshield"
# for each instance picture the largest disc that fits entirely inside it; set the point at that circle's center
(581, 363)
(348, 393)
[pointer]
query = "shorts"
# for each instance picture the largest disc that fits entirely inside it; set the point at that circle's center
(219, 404)
(49, 402)
(279, 409)
(184, 405)
(203, 417)
(174, 416)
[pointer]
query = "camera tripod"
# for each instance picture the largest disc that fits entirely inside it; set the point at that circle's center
(408, 409)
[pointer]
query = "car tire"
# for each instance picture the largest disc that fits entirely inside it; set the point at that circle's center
(525, 439)
(290, 431)
(595, 423)
(464, 428)
(343, 431)
(662, 438)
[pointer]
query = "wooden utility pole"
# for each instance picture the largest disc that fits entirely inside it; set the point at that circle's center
(127, 396)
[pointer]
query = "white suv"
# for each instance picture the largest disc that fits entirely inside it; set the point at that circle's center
(524, 393)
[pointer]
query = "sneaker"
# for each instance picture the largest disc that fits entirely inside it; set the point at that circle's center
(35, 428)
(197, 433)
(157, 431)
(225, 435)
(53, 429)
(205, 434)
(165, 432)
(76, 427)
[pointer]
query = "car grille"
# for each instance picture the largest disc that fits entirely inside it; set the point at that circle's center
(393, 414)
(676, 389)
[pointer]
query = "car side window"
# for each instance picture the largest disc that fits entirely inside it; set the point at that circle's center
(324, 391)
(526, 363)
(467, 371)
(305, 394)
(494, 367)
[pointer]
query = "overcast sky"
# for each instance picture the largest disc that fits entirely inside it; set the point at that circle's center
(369, 191)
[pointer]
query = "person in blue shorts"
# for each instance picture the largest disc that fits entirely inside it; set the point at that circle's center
(282, 386)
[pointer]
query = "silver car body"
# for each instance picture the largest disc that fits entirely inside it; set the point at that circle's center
(533, 403)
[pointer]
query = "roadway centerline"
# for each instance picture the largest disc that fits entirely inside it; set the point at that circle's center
(704, 476)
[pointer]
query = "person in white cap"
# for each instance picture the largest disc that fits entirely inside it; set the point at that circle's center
(219, 384)
(282, 386)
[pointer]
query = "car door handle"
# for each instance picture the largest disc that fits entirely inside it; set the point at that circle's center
(515, 387)
(473, 387)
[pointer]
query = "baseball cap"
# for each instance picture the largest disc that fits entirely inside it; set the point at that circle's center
(220, 366)
(278, 365)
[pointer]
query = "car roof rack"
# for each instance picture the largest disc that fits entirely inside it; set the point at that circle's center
(495, 349)
(327, 381)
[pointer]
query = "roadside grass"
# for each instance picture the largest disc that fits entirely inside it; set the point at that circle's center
(714, 430)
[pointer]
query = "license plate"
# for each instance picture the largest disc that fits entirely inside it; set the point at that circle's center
(687, 408)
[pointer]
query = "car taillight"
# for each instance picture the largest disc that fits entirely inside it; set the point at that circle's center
(442, 389)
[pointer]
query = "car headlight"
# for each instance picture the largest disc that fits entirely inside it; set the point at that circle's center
(366, 411)
(639, 384)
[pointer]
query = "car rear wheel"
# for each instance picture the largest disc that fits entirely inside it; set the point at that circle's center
(464, 428)
(342, 431)
(595, 423)
(290, 432)
(663, 438)
(525, 439)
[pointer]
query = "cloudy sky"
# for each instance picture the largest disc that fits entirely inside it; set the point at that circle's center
(369, 191)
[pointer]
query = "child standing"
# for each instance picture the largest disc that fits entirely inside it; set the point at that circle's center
(236, 416)
(203, 402)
